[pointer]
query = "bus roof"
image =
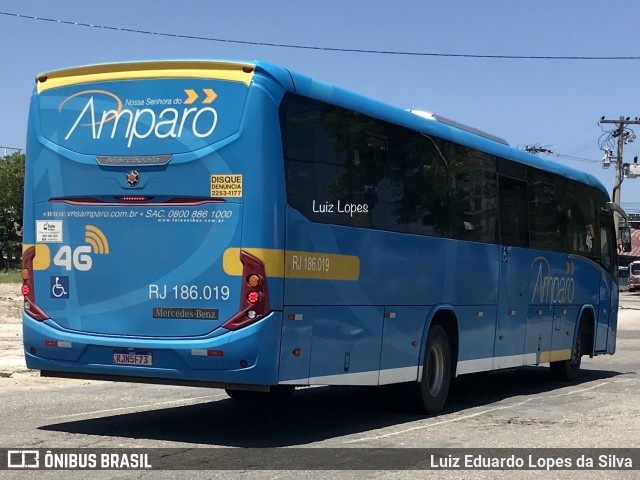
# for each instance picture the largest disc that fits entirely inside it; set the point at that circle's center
(312, 88)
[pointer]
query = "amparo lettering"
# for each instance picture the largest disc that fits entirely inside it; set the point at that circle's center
(142, 123)
(552, 289)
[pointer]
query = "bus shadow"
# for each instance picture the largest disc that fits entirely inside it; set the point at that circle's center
(313, 414)
(482, 389)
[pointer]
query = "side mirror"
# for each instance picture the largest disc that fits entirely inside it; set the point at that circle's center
(625, 235)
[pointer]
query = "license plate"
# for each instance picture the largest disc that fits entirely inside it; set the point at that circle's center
(132, 357)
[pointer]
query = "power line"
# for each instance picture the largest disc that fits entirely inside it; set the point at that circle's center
(579, 135)
(577, 159)
(312, 47)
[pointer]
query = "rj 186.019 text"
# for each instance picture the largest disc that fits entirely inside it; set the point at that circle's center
(189, 292)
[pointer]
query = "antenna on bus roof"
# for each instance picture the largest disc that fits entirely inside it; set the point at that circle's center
(461, 126)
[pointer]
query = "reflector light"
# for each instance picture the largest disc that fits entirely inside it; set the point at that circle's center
(56, 343)
(25, 289)
(207, 353)
(244, 363)
(297, 352)
(253, 297)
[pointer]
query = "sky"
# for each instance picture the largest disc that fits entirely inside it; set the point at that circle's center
(551, 103)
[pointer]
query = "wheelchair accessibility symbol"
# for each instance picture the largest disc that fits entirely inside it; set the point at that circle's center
(59, 287)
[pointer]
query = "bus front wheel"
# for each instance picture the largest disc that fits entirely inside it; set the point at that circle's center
(433, 387)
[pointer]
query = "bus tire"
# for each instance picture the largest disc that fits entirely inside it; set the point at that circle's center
(433, 387)
(567, 370)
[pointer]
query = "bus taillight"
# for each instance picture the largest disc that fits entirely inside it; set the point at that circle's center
(254, 298)
(27, 286)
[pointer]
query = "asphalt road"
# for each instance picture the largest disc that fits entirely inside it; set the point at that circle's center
(524, 408)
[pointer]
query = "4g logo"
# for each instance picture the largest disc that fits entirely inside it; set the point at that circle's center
(79, 258)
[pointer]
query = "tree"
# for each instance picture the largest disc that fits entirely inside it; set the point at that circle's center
(11, 207)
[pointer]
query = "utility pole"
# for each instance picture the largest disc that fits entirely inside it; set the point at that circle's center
(620, 133)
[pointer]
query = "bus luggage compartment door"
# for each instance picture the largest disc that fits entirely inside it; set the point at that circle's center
(346, 345)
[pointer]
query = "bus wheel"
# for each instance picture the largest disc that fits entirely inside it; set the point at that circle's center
(569, 369)
(433, 387)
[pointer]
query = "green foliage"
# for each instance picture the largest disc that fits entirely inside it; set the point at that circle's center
(11, 208)
(11, 276)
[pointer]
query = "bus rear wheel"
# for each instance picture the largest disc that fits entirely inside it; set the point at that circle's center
(433, 387)
(568, 370)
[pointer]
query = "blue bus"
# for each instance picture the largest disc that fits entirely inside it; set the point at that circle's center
(246, 227)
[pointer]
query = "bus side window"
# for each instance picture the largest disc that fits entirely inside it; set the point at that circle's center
(474, 193)
(514, 216)
(605, 242)
(543, 212)
(415, 188)
(316, 157)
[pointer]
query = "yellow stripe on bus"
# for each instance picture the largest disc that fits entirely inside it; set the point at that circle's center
(42, 260)
(555, 356)
(297, 264)
(235, 72)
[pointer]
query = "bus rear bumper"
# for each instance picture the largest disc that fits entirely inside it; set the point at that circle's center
(248, 356)
(154, 380)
